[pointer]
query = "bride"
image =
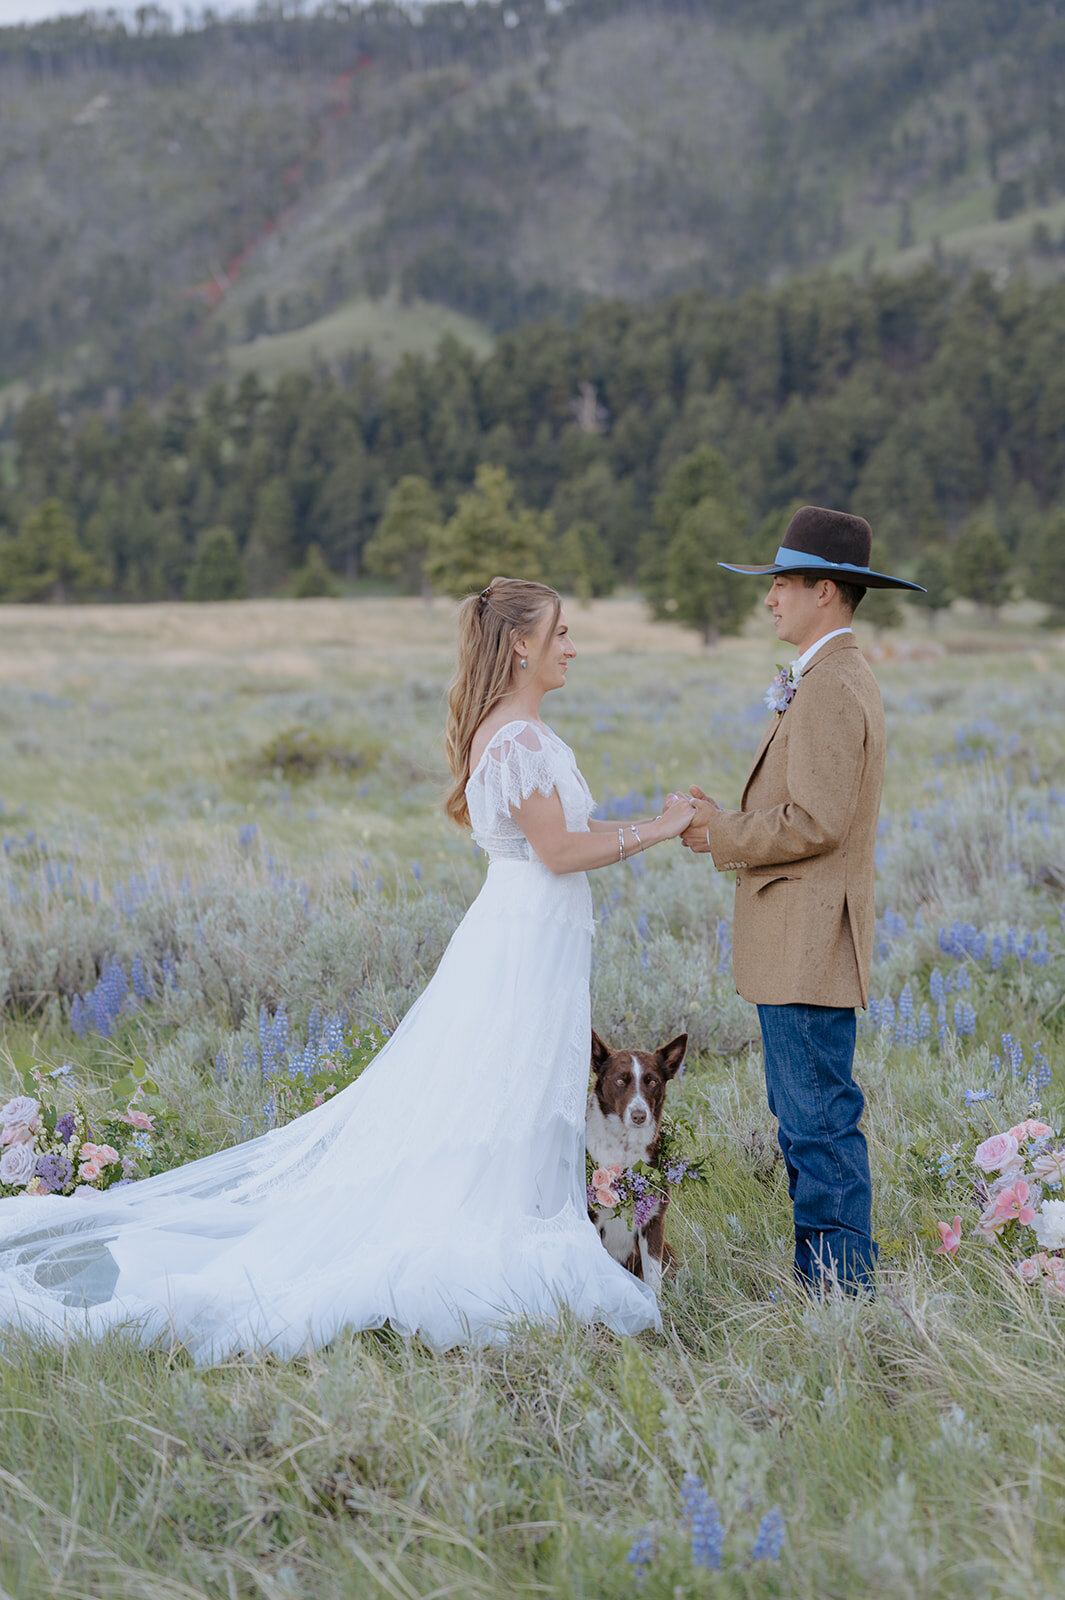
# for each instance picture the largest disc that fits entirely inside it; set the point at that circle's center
(443, 1192)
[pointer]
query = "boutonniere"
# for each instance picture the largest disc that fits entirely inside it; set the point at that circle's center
(781, 691)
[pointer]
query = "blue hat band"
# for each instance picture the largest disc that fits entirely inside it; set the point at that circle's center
(797, 559)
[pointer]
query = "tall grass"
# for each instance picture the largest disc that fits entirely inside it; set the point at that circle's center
(914, 1444)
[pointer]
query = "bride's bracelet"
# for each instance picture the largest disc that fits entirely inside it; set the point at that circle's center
(634, 830)
(621, 844)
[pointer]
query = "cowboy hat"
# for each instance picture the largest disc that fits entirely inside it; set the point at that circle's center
(828, 544)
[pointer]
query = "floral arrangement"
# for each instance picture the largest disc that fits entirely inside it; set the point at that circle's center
(1017, 1179)
(781, 691)
(640, 1190)
(48, 1150)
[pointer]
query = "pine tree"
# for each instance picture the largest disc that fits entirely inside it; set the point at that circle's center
(981, 564)
(934, 575)
(700, 593)
(270, 539)
(581, 562)
(217, 573)
(314, 580)
(489, 535)
(410, 528)
(1047, 581)
(44, 561)
(699, 518)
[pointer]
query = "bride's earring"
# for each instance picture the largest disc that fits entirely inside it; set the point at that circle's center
(524, 663)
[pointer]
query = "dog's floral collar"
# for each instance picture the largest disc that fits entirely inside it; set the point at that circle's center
(781, 691)
(638, 1191)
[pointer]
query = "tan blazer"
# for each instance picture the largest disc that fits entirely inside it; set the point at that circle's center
(802, 843)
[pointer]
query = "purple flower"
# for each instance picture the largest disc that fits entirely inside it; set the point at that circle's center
(677, 1171)
(54, 1171)
(64, 1128)
(645, 1209)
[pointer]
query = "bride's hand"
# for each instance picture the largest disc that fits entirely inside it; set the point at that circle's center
(676, 815)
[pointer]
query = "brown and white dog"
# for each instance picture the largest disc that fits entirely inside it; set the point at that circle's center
(622, 1127)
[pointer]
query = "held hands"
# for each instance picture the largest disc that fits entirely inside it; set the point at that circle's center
(677, 814)
(695, 836)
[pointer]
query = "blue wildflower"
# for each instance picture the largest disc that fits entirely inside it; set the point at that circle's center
(769, 1540)
(641, 1555)
(704, 1522)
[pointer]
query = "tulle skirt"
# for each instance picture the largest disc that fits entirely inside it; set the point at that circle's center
(442, 1193)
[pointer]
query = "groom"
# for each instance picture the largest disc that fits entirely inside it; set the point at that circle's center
(802, 847)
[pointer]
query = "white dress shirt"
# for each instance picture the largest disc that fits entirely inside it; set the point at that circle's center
(808, 655)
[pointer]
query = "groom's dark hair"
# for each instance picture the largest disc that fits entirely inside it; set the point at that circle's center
(852, 594)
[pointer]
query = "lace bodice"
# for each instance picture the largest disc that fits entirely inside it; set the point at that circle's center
(521, 759)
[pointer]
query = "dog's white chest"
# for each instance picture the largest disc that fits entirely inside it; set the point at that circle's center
(611, 1143)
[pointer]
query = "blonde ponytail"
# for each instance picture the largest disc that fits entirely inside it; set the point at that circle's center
(489, 623)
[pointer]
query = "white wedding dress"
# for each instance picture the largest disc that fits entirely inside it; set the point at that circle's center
(442, 1193)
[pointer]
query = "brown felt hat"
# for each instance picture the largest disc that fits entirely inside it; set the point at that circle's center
(827, 544)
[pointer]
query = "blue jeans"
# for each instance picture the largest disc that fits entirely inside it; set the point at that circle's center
(809, 1054)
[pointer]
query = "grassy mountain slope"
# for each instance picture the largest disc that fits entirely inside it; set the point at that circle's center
(169, 196)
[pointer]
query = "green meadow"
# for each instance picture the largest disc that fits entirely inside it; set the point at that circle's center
(247, 796)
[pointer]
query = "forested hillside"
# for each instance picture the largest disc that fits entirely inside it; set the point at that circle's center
(638, 443)
(168, 195)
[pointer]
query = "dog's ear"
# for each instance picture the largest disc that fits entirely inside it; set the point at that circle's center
(671, 1055)
(600, 1052)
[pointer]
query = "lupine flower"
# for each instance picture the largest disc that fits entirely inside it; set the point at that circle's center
(769, 1540)
(641, 1555)
(950, 1234)
(704, 1521)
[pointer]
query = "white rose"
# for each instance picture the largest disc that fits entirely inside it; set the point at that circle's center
(18, 1165)
(1049, 1225)
(23, 1108)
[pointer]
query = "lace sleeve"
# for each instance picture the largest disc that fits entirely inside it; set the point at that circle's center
(518, 762)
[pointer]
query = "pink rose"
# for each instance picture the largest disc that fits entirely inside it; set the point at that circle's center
(1054, 1281)
(139, 1119)
(950, 1233)
(1011, 1204)
(23, 1108)
(18, 1165)
(1031, 1270)
(990, 1225)
(996, 1152)
(603, 1185)
(1051, 1164)
(102, 1154)
(1028, 1129)
(16, 1133)
(89, 1171)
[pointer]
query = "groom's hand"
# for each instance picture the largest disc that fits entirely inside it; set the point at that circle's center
(695, 835)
